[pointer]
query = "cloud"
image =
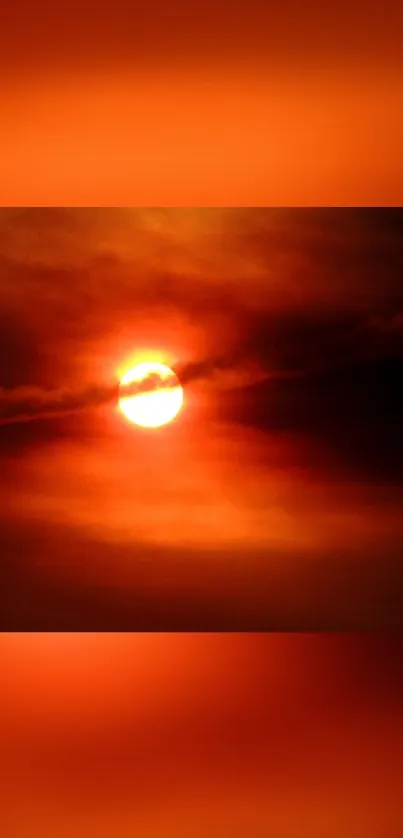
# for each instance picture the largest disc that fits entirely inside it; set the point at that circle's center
(294, 349)
(24, 404)
(239, 295)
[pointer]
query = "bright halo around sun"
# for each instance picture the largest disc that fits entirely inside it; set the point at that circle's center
(153, 407)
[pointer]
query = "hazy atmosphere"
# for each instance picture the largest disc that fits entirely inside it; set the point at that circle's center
(272, 500)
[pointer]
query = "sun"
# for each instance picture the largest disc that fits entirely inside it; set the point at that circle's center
(159, 397)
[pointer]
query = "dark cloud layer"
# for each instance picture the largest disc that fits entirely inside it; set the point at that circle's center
(233, 590)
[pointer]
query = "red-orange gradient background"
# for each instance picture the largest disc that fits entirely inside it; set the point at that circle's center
(199, 104)
(295, 736)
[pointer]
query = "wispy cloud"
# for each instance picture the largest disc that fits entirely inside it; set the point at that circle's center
(25, 404)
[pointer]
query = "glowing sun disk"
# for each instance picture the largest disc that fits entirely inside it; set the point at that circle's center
(151, 408)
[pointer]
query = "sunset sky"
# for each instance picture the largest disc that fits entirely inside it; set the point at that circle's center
(201, 103)
(273, 501)
(199, 622)
(221, 735)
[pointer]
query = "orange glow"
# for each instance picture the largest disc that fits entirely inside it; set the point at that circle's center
(192, 137)
(200, 734)
(157, 407)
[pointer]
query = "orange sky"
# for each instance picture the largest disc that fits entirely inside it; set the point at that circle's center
(196, 734)
(199, 105)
